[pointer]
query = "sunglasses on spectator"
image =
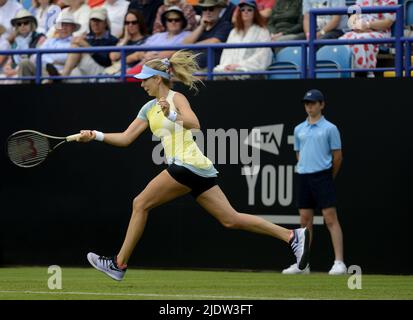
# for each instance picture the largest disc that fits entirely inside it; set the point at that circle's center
(134, 22)
(174, 19)
(247, 10)
(210, 9)
(22, 23)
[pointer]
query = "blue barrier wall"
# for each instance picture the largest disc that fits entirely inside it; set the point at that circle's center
(80, 199)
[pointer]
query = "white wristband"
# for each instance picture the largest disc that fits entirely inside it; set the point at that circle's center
(99, 135)
(172, 115)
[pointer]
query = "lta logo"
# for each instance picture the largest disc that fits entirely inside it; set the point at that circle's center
(276, 179)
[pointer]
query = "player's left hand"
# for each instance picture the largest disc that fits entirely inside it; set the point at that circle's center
(164, 106)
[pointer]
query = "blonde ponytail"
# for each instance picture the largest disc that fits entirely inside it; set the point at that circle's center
(182, 66)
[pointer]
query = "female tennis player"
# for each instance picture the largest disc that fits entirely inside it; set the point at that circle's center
(171, 118)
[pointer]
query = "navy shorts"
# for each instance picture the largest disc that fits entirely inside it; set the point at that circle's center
(316, 190)
(196, 183)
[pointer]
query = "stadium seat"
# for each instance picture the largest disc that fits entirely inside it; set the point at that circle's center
(334, 57)
(287, 59)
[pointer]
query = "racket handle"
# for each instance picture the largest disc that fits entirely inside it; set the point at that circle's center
(73, 137)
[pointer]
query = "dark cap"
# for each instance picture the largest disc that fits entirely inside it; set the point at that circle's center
(313, 95)
(250, 3)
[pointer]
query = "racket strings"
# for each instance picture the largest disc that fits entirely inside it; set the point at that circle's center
(28, 149)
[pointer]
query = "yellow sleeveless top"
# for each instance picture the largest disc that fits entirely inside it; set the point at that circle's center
(178, 142)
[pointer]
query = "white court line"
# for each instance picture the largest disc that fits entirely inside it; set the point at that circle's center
(154, 295)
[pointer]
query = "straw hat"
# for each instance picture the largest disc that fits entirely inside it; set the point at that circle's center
(23, 14)
(66, 17)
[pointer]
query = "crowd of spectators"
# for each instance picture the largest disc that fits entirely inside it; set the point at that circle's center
(92, 23)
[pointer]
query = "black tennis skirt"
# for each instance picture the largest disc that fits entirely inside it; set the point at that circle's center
(196, 183)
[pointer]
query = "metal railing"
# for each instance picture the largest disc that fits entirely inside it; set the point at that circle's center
(307, 70)
(397, 40)
(407, 62)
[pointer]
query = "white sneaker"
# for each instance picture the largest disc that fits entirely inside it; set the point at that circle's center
(106, 265)
(300, 244)
(294, 270)
(338, 268)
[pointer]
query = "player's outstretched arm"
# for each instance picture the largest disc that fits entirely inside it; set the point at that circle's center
(119, 139)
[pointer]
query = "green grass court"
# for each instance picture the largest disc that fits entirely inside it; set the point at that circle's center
(31, 283)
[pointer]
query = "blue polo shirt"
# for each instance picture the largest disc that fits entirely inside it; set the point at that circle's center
(220, 31)
(315, 142)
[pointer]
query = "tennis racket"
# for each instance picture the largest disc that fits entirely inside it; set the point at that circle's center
(29, 148)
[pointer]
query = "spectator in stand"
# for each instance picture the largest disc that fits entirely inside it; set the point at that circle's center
(4, 45)
(369, 26)
(210, 30)
(46, 14)
(65, 27)
(249, 27)
(24, 36)
(83, 64)
(116, 13)
(174, 20)
(148, 8)
(265, 8)
(286, 21)
(80, 11)
(135, 34)
(227, 11)
(8, 9)
(186, 8)
(328, 27)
